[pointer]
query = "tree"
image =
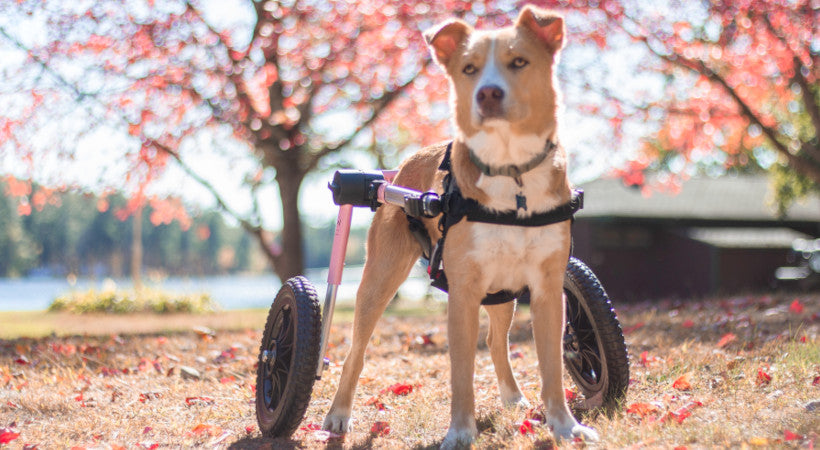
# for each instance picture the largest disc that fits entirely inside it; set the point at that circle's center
(742, 78)
(281, 87)
(169, 76)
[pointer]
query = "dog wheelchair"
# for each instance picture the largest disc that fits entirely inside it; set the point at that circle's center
(294, 342)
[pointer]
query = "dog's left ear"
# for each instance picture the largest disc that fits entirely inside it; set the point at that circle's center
(548, 26)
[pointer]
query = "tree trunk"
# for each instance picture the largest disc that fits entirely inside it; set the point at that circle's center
(136, 249)
(291, 261)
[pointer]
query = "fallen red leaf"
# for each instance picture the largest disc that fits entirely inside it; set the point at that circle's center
(190, 401)
(725, 340)
(683, 412)
(682, 383)
(570, 395)
(226, 380)
(788, 435)
(380, 428)
(526, 427)
(763, 378)
(22, 360)
(145, 396)
(310, 427)
(399, 389)
(816, 381)
(646, 359)
(205, 429)
(249, 429)
(688, 323)
(642, 409)
(534, 414)
(376, 402)
(796, 307)
(7, 435)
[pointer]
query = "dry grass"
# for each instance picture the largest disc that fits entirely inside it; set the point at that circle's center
(72, 391)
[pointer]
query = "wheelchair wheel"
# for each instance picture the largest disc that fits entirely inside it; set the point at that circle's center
(288, 358)
(595, 353)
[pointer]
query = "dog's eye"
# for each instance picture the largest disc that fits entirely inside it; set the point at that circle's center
(469, 69)
(518, 63)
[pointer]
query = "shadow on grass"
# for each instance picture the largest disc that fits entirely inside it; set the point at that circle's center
(262, 443)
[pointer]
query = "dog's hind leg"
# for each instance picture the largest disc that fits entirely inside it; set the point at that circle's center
(498, 341)
(391, 253)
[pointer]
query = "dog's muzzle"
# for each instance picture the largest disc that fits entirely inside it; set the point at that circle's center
(490, 102)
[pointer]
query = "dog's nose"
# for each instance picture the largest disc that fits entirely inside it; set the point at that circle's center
(489, 99)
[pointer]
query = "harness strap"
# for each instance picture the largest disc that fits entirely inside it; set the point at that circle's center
(455, 207)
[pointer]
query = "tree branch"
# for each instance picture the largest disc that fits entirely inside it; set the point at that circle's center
(382, 104)
(803, 164)
(807, 91)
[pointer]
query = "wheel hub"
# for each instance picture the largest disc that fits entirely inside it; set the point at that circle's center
(269, 356)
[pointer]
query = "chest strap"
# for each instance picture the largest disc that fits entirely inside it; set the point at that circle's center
(456, 207)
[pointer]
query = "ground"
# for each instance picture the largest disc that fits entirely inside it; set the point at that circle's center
(728, 372)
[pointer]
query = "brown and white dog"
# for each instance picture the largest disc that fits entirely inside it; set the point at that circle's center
(504, 97)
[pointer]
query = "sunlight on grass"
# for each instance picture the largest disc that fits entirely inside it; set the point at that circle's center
(117, 380)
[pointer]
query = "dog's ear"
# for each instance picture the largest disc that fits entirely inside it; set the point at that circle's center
(445, 38)
(548, 26)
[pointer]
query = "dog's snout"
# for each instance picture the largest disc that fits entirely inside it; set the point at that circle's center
(489, 100)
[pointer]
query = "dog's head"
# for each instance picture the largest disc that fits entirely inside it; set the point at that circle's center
(504, 76)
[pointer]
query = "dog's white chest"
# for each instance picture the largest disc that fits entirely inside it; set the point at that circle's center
(511, 256)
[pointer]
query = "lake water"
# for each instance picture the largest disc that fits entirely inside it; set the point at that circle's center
(230, 291)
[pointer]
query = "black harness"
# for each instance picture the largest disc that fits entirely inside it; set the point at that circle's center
(456, 207)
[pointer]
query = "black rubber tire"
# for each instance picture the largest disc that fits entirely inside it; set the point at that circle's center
(595, 353)
(288, 358)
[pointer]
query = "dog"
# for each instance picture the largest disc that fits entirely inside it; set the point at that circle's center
(505, 100)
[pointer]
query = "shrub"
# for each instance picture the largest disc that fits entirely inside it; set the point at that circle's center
(129, 301)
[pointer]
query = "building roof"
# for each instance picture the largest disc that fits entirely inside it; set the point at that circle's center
(746, 237)
(731, 198)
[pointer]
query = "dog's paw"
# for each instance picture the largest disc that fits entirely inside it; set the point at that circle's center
(515, 401)
(338, 423)
(459, 438)
(576, 431)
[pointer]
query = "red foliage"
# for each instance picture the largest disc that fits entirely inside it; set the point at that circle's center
(683, 412)
(789, 435)
(7, 435)
(380, 429)
(205, 430)
(725, 340)
(763, 378)
(642, 410)
(399, 389)
(526, 427)
(682, 383)
(192, 401)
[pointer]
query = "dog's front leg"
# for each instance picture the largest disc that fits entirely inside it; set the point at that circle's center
(462, 336)
(547, 310)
